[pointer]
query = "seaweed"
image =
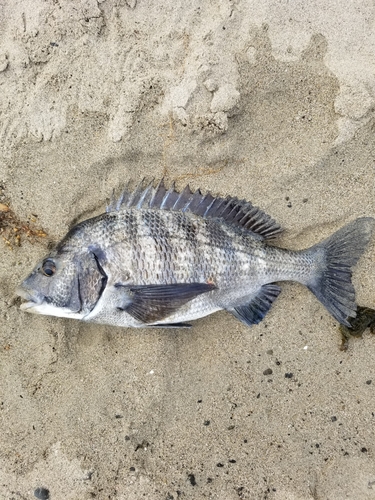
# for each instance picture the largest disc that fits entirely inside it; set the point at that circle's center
(13, 230)
(365, 319)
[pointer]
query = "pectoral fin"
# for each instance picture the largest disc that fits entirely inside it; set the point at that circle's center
(153, 303)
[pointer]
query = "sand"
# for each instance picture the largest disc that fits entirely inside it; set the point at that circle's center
(269, 101)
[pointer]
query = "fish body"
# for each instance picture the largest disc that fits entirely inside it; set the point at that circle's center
(162, 258)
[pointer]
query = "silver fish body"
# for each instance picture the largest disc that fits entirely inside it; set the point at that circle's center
(162, 258)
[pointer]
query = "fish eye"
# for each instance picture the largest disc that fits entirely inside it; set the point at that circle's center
(48, 268)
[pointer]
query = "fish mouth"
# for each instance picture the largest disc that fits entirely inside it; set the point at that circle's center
(26, 306)
(32, 300)
(37, 303)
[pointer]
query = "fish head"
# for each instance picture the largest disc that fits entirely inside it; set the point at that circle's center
(64, 284)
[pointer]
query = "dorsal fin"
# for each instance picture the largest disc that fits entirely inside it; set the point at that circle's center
(233, 211)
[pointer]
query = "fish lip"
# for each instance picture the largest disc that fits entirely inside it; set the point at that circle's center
(27, 305)
(32, 299)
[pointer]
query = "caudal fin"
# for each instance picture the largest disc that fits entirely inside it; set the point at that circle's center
(332, 283)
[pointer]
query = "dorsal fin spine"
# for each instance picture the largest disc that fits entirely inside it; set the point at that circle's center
(209, 207)
(144, 195)
(167, 196)
(159, 191)
(233, 211)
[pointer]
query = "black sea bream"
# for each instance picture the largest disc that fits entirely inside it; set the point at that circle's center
(162, 258)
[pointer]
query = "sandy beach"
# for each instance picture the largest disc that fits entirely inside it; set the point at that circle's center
(269, 101)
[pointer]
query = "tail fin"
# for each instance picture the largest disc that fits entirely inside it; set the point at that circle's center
(336, 255)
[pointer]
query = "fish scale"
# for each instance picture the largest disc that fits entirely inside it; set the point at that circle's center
(161, 258)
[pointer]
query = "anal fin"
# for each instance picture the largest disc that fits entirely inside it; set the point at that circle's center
(254, 311)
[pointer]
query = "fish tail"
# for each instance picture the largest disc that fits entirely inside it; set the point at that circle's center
(334, 258)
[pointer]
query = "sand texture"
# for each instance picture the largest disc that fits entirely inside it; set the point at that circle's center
(271, 101)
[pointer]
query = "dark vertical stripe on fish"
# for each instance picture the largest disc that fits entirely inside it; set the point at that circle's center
(187, 231)
(132, 222)
(222, 243)
(218, 237)
(158, 230)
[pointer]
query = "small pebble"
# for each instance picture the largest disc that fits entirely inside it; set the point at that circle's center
(267, 372)
(192, 479)
(41, 493)
(333, 419)
(288, 375)
(368, 382)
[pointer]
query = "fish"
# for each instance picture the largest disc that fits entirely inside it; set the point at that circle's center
(160, 258)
